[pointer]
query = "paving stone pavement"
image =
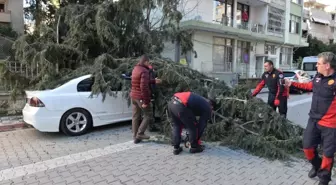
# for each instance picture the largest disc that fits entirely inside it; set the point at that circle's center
(107, 156)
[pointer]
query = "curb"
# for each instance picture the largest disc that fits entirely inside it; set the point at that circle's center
(13, 126)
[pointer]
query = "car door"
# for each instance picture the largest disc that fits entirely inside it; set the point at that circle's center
(110, 110)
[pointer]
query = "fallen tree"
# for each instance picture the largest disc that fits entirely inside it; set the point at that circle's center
(104, 40)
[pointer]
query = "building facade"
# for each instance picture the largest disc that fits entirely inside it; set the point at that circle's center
(319, 20)
(237, 36)
(11, 13)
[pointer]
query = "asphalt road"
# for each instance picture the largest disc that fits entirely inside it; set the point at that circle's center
(298, 107)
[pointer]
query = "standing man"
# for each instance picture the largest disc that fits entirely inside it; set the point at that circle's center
(321, 127)
(141, 98)
(183, 109)
(278, 93)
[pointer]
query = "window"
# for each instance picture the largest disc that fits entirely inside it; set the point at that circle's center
(2, 7)
(243, 51)
(309, 66)
(286, 55)
(270, 49)
(222, 54)
(288, 74)
(276, 20)
(85, 85)
(240, 9)
(294, 24)
(224, 12)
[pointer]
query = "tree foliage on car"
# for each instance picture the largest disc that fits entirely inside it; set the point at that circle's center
(105, 38)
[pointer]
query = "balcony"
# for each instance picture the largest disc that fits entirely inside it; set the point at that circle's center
(254, 27)
(5, 17)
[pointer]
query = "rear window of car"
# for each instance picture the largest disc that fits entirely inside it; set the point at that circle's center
(288, 74)
(85, 85)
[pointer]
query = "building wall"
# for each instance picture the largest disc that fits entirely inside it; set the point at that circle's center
(16, 9)
(203, 10)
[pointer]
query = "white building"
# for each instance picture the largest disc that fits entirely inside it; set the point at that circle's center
(226, 45)
(11, 13)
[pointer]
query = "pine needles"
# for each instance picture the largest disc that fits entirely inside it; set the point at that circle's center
(103, 39)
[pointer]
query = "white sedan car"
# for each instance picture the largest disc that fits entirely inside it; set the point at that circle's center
(70, 109)
(297, 76)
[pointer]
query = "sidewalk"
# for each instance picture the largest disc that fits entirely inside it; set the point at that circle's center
(8, 123)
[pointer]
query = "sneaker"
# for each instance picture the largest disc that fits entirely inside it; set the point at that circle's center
(312, 173)
(177, 151)
(136, 141)
(196, 150)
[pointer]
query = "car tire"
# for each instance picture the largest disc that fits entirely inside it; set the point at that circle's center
(72, 125)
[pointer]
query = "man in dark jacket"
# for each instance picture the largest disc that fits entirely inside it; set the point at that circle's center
(321, 127)
(152, 75)
(278, 93)
(141, 98)
(183, 109)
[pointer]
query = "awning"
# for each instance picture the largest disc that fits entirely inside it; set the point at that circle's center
(320, 16)
(315, 19)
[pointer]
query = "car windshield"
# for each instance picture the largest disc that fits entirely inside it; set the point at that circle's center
(309, 66)
(288, 74)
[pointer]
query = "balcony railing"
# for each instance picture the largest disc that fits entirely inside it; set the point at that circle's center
(224, 20)
(252, 26)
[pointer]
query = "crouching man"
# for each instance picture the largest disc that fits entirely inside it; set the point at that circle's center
(183, 109)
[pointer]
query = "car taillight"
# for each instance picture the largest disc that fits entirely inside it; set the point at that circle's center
(35, 102)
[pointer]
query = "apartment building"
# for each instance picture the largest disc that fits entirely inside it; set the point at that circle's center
(11, 13)
(319, 20)
(237, 36)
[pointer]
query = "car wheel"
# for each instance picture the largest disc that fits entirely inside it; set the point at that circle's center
(76, 122)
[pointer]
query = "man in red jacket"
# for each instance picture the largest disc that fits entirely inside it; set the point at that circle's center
(321, 127)
(141, 99)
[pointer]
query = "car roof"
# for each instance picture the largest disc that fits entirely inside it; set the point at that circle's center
(291, 70)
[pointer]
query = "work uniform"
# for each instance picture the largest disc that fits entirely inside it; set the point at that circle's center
(278, 93)
(321, 127)
(183, 109)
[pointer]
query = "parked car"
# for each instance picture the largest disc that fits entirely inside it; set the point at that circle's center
(296, 76)
(70, 109)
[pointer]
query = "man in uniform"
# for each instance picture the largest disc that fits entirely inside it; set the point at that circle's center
(321, 127)
(183, 109)
(278, 93)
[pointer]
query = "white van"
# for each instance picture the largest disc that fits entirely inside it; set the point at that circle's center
(309, 65)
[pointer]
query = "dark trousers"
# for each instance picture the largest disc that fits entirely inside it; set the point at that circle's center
(314, 135)
(182, 116)
(282, 106)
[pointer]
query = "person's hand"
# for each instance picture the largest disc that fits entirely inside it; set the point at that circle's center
(144, 105)
(158, 81)
(276, 102)
(288, 83)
